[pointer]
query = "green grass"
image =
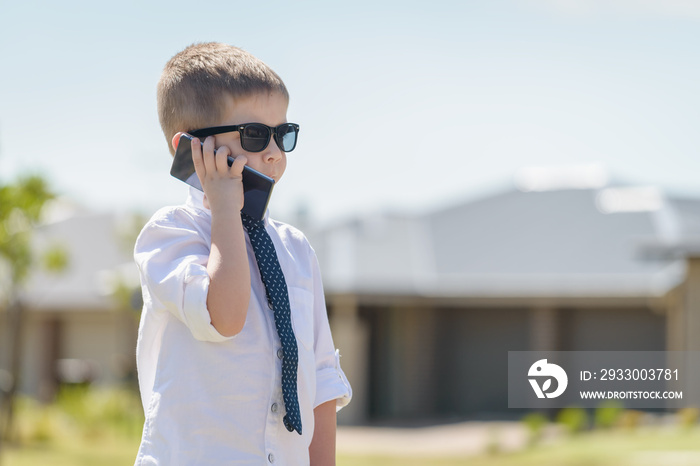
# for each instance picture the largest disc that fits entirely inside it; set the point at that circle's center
(83, 427)
(647, 446)
(106, 452)
(597, 448)
(103, 428)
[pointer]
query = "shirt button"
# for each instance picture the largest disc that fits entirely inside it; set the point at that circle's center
(269, 305)
(280, 353)
(274, 407)
(271, 458)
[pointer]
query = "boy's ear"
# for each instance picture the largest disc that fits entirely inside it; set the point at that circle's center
(176, 139)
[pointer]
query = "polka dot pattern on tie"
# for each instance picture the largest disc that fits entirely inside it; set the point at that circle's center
(278, 300)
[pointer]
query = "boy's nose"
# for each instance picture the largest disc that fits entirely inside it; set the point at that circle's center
(272, 152)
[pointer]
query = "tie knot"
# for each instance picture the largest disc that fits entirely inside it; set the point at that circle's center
(250, 223)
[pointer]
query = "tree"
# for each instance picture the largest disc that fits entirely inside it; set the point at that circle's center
(21, 205)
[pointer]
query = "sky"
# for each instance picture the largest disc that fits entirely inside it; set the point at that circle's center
(403, 106)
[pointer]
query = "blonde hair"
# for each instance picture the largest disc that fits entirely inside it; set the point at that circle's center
(194, 82)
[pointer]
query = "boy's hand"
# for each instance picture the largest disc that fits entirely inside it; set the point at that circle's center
(222, 185)
(229, 275)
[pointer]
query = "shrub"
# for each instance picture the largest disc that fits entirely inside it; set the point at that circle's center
(80, 411)
(607, 414)
(574, 419)
(535, 423)
(688, 417)
(100, 411)
(630, 419)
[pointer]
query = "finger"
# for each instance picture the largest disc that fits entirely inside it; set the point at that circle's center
(221, 159)
(238, 164)
(208, 155)
(197, 159)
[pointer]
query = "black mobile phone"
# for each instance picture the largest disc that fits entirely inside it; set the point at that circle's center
(257, 188)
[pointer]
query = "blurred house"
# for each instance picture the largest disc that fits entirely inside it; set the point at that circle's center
(78, 325)
(425, 307)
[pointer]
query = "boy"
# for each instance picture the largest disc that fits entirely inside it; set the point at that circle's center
(221, 380)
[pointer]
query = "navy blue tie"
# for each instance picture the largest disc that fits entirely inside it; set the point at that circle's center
(278, 300)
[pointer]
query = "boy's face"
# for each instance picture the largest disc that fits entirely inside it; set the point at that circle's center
(269, 109)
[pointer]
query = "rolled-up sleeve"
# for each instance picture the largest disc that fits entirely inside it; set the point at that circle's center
(331, 383)
(171, 255)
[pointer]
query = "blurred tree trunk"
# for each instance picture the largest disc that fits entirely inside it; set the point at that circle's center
(21, 205)
(15, 324)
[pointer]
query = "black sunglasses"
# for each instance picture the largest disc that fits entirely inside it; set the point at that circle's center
(255, 136)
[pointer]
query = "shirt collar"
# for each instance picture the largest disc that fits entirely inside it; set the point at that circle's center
(195, 199)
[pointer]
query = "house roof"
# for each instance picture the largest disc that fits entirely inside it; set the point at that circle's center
(588, 243)
(614, 242)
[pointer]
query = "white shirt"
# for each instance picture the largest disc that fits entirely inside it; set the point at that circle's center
(210, 399)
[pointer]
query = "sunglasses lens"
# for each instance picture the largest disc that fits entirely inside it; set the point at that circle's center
(287, 137)
(255, 137)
